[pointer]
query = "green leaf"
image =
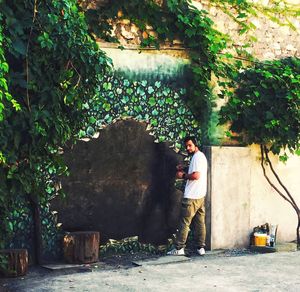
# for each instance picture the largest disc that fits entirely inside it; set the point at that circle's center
(283, 158)
(125, 99)
(4, 67)
(242, 15)
(92, 120)
(166, 91)
(256, 93)
(106, 107)
(161, 102)
(152, 101)
(155, 112)
(161, 138)
(154, 122)
(3, 83)
(182, 134)
(150, 89)
(10, 226)
(157, 84)
(129, 91)
(90, 131)
(107, 85)
(228, 134)
(181, 110)
(126, 83)
(137, 109)
(81, 134)
(169, 100)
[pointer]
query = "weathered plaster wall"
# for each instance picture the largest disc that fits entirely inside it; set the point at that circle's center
(242, 199)
(169, 66)
(230, 194)
(266, 204)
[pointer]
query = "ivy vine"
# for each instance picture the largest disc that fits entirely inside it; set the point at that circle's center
(52, 68)
(280, 12)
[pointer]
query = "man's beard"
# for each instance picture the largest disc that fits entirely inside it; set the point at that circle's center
(190, 153)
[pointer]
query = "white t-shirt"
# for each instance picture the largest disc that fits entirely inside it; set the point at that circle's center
(196, 189)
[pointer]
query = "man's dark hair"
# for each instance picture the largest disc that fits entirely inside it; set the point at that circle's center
(191, 138)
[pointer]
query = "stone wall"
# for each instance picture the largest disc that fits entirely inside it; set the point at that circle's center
(273, 40)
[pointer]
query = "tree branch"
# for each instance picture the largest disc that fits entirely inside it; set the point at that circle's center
(79, 76)
(269, 181)
(27, 52)
(278, 179)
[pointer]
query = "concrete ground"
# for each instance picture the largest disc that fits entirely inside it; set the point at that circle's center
(214, 272)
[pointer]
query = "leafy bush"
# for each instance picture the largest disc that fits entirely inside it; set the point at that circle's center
(49, 68)
(265, 106)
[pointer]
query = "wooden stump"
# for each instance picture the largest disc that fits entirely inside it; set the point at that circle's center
(14, 262)
(81, 247)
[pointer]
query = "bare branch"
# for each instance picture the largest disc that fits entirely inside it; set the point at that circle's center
(278, 179)
(79, 76)
(269, 181)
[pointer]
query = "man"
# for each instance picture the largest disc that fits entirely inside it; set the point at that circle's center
(193, 205)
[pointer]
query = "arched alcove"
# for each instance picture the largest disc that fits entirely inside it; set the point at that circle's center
(121, 184)
(122, 180)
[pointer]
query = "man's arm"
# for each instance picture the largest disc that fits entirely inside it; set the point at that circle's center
(192, 176)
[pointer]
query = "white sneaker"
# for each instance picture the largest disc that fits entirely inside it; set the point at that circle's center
(177, 252)
(201, 251)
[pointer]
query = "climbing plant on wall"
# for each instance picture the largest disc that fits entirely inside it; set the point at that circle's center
(280, 12)
(52, 67)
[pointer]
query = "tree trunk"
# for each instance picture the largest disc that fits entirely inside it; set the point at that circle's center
(37, 229)
(298, 232)
(81, 247)
(287, 195)
(15, 262)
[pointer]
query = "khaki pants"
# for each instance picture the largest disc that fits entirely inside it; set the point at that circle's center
(191, 209)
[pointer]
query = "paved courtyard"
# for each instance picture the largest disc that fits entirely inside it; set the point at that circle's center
(213, 272)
